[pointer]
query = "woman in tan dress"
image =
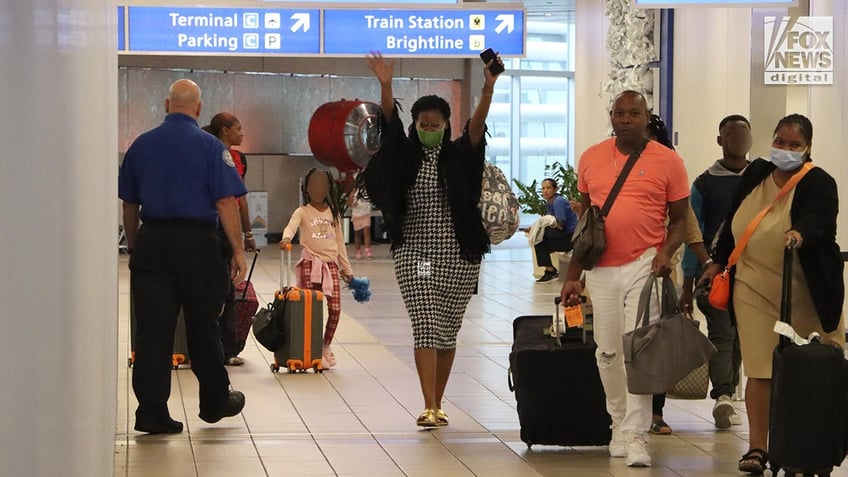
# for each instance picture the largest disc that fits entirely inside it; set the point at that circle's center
(807, 215)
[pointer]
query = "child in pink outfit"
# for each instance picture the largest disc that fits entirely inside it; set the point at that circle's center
(360, 211)
(324, 260)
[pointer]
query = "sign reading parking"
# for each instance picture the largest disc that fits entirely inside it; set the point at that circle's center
(423, 32)
(198, 30)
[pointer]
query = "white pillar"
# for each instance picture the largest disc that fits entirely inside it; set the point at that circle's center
(58, 294)
(591, 119)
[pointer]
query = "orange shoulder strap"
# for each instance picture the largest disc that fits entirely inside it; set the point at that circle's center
(749, 230)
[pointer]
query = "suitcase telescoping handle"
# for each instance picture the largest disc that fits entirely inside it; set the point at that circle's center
(285, 266)
(249, 275)
(786, 289)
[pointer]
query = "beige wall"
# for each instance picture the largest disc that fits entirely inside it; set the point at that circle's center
(828, 109)
(591, 120)
(712, 73)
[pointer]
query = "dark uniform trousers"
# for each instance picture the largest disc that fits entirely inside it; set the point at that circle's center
(174, 264)
(554, 240)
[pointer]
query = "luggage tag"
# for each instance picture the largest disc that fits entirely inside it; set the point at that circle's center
(574, 316)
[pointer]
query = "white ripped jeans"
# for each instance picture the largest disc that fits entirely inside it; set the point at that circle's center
(615, 299)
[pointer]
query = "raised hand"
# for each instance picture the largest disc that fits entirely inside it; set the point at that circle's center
(383, 69)
(489, 78)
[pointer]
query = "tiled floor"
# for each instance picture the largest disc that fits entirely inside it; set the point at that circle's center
(358, 418)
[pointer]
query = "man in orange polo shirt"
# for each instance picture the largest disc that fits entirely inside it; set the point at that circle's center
(638, 243)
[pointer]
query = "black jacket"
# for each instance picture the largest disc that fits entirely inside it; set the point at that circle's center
(813, 214)
(392, 172)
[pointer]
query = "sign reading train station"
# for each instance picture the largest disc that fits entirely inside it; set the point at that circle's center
(423, 32)
(799, 50)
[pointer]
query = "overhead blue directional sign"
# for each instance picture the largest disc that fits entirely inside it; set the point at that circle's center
(403, 32)
(198, 30)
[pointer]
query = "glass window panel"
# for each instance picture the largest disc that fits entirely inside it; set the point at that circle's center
(499, 121)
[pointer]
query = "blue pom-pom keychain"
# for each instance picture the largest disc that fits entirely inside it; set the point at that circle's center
(360, 286)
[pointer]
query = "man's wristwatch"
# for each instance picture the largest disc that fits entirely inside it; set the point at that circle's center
(709, 262)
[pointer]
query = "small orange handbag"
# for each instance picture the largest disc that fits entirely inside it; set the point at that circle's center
(719, 296)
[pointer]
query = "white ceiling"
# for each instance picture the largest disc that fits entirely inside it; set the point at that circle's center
(554, 10)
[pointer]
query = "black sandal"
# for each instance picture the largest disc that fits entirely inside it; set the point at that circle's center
(754, 462)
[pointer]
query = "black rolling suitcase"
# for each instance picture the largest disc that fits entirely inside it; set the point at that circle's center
(809, 400)
(557, 387)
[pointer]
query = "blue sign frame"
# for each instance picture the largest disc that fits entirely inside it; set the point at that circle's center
(122, 27)
(404, 32)
(424, 32)
(212, 30)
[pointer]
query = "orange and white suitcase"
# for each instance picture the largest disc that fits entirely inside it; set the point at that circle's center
(302, 325)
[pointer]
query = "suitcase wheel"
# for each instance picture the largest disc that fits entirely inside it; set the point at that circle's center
(129, 362)
(317, 369)
(275, 368)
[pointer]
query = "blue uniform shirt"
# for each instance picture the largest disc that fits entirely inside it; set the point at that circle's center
(561, 209)
(178, 171)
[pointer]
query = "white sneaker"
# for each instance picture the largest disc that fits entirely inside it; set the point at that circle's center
(637, 452)
(736, 419)
(617, 446)
(722, 411)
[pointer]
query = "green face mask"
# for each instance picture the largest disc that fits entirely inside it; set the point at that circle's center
(430, 138)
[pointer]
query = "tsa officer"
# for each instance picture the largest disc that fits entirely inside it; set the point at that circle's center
(179, 182)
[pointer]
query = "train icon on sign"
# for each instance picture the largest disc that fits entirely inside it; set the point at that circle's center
(477, 22)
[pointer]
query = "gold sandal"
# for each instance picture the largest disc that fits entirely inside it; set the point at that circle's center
(441, 418)
(428, 418)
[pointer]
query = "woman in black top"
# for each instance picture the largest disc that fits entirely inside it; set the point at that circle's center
(428, 188)
(807, 216)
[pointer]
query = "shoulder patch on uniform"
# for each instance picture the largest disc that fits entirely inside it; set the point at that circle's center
(228, 158)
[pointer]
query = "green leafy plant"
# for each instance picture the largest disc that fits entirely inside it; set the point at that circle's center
(530, 198)
(566, 177)
(530, 195)
(339, 191)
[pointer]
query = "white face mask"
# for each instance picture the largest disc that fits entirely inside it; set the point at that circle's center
(786, 160)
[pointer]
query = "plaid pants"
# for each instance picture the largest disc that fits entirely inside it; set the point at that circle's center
(334, 302)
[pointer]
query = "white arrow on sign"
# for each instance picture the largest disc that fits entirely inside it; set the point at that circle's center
(506, 22)
(302, 21)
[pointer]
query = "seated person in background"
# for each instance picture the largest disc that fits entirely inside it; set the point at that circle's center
(556, 237)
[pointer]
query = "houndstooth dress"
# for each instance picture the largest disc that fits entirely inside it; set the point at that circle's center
(435, 282)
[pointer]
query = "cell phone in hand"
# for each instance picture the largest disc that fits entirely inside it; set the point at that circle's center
(489, 55)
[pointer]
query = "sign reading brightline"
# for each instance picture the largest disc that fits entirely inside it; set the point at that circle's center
(198, 30)
(423, 32)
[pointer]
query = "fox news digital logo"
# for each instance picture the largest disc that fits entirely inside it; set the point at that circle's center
(799, 50)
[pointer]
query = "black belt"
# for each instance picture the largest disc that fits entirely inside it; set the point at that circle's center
(182, 222)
